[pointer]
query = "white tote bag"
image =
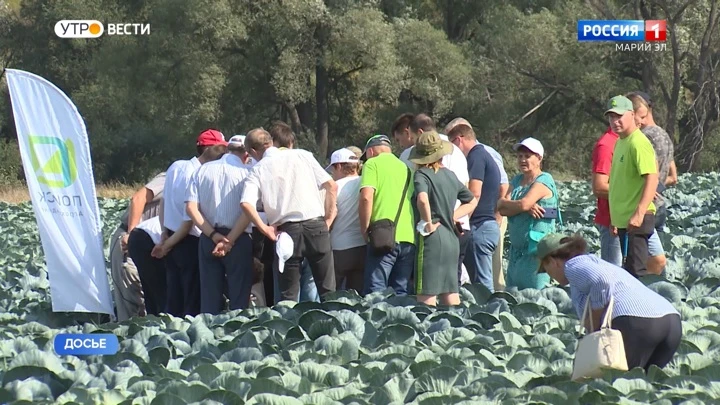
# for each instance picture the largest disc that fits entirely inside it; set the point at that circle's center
(599, 350)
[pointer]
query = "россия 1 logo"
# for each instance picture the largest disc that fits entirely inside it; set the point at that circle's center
(95, 29)
(57, 171)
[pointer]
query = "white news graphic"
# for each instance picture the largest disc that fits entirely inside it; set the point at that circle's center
(56, 159)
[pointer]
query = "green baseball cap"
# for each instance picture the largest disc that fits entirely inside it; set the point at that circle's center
(548, 244)
(619, 105)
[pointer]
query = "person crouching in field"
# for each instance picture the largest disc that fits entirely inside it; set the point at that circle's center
(651, 327)
(438, 247)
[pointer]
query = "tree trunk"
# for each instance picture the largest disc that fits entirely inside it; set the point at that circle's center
(702, 117)
(293, 117)
(323, 115)
(305, 112)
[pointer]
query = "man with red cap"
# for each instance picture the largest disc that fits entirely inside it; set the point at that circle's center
(179, 243)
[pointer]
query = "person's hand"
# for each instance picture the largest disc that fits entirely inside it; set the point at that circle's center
(160, 250)
(366, 237)
(270, 231)
(218, 237)
(222, 248)
(537, 211)
(613, 231)
(124, 243)
(430, 227)
(498, 218)
(636, 220)
(658, 196)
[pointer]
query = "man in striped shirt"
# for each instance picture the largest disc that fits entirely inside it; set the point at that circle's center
(225, 246)
(181, 258)
(288, 183)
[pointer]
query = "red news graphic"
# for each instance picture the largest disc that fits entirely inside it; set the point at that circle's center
(655, 30)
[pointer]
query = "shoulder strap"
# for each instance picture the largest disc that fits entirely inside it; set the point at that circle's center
(586, 315)
(554, 190)
(404, 193)
(607, 320)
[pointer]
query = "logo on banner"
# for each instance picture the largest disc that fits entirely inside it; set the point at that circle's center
(60, 170)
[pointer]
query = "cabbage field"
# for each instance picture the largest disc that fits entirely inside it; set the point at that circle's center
(505, 348)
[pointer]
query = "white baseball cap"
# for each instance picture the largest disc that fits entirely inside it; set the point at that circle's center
(343, 155)
(284, 248)
(531, 143)
(237, 140)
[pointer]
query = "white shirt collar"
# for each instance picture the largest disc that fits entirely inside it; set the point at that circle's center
(270, 151)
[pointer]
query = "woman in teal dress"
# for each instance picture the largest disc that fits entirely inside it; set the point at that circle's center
(532, 208)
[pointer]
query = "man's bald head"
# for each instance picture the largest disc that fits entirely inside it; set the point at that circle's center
(258, 141)
(452, 124)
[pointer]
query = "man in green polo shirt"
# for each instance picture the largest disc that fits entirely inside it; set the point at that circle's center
(381, 198)
(633, 182)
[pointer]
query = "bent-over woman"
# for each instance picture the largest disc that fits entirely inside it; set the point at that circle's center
(650, 325)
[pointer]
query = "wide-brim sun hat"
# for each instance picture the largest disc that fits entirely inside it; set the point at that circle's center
(429, 148)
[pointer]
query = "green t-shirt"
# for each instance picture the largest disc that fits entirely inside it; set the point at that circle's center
(386, 174)
(633, 157)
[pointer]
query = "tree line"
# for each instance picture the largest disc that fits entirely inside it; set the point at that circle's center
(339, 71)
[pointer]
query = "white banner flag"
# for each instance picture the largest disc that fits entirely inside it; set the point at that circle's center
(56, 159)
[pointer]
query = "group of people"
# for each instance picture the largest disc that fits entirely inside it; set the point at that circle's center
(632, 166)
(254, 220)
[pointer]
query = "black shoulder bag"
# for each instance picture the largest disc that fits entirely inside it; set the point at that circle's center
(381, 233)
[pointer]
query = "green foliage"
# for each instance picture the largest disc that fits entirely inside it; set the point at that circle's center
(513, 347)
(340, 70)
(11, 171)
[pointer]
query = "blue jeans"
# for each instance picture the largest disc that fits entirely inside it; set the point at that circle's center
(611, 252)
(308, 289)
(485, 239)
(610, 246)
(391, 270)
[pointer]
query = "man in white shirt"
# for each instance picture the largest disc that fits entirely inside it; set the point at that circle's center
(347, 241)
(213, 204)
(288, 183)
(407, 128)
(497, 260)
(284, 138)
(179, 244)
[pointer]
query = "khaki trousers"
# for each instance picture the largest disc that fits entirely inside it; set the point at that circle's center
(127, 289)
(497, 265)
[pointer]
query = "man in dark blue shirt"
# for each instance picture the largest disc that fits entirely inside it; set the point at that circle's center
(485, 185)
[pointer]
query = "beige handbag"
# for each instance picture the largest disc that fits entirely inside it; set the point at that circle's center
(599, 350)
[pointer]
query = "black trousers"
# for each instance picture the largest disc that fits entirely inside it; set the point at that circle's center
(311, 241)
(636, 245)
(151, 271)
(183, 278)
(649, 340)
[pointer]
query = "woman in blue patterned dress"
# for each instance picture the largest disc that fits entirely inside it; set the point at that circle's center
(531, 206)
